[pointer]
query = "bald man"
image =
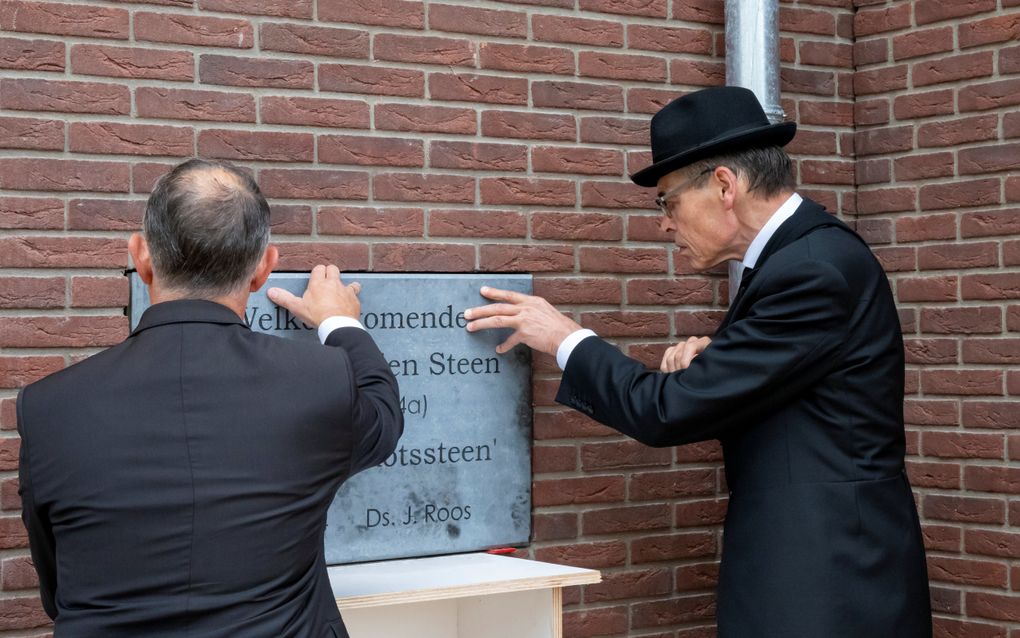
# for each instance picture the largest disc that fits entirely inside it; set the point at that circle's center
(177, 484)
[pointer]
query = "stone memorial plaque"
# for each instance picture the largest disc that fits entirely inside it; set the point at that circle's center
(460, 479)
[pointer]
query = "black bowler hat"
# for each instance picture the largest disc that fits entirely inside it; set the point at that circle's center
(705, 123)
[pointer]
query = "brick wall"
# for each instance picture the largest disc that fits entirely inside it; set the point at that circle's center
(459, 136)
(937, 93)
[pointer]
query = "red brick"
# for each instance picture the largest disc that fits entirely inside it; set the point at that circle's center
(931, 412)
(579, 290)
(916, 105)
(897, 258)
(371, 151)
(925, 228)
(697, 577)
(972, 193)
(553, 458)
(614, 130)
(879, 141)
(256, 145)
(478, 156)
(701, 73)
(62, 252)
(31, 133)
(39, 174)
(145, 174)
(669, 39)
(967, 572)
(466, 19)
(105, 214)
(392, 13)
(625, 519)
(553, 527)
(566, 424)
(62, 332)
(963, 509)
(991, 414)
(826, 113)
(650, 8)
(476, 224)
(555, 28)
(313, 184)
(979, 478)
(306, 111)
(385, 222)
(131, 139)
(630, 584)
(997, 222)
(961, 320)
(876, 171)
(622, 454)
(256, 72)
(597, 621)
(375, 80)
(697, 323)
(431, 257)
(188, 104)
(627, 324)
(927, 166)
(425, 119)
(962, 382)
(649, 101)
(934, 475)
(703, 11)
(526, 258)
(827, 172)
(31, 292)
(526, 58)
(615, 195)
(619, 66)
(588, 555)
(942, 537)
(1003, 28)
(991, 95)
(928, 11)
(16, 372)
(988, 159)
(922, 42)
(647, 228)
(1009, 60)
(417, 49)
(963, 445)
(926, 289)
(31, 55)
(65, 97)
(576, 95)
(827, 54)
(527, 191)
(882, 80)
(124, 62)
(305, 255)
(670, 292)
(572, 491)
(991, 286)
(428, 187)
(301, 9)
(673, 547)
(578, 226)
(290, 219)
(19, 573)
(992, 543)
(64, 19)
(952, 69)
(795, 20)
(99, 292)
(469, 87)
(198, 30)
(931, 351)
(582, 160)
(1002, 351)
(623, 260)
(672, 484)
(871, 51)
(22, 613)
(314, 40)
(874, 231)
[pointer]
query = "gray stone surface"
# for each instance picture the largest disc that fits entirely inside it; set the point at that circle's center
(460, 479)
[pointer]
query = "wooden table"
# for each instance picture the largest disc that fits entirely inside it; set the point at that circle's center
(462, 596)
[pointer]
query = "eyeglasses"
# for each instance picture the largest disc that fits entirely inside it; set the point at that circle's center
(662, 201)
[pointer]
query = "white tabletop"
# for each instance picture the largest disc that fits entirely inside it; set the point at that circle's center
(439, 577)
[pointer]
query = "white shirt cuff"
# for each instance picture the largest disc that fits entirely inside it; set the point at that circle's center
(329, 324)
(567, 345)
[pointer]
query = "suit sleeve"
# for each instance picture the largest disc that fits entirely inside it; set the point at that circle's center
(40, 532)
(377, 419)
(787, 341)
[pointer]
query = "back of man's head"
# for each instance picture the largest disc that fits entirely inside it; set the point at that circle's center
(206, 225)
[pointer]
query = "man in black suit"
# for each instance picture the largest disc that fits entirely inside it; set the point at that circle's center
(177, 484)
(802, 383)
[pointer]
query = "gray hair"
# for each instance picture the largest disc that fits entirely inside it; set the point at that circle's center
(768, 169)
(207, 225)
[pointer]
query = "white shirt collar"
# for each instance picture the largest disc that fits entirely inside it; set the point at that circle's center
(785, 211)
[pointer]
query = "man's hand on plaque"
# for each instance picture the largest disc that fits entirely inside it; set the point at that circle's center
(325, 296)
(533, 319)
(679, 357)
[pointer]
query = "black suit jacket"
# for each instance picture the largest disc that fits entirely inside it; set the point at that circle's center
(177, 484)
(803, 385)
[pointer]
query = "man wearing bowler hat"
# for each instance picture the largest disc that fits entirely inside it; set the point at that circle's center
(802, 383)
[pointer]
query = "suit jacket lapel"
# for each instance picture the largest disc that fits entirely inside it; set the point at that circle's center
(809, 216)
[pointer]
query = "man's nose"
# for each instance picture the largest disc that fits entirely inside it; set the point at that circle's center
(666, 224)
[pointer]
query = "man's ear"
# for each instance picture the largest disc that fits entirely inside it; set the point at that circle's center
(266, 265)
(727, 184)
(139, 249)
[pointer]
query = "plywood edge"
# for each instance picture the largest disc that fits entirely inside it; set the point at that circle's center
(585, 577)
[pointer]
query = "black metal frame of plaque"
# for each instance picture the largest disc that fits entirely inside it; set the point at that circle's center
(460, 479)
